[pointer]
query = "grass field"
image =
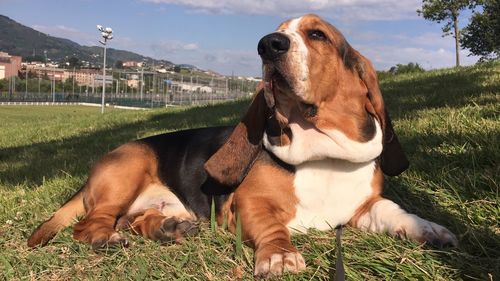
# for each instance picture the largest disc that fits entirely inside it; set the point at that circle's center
(448, 122)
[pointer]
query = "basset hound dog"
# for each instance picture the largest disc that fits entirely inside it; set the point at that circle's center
(310, 152)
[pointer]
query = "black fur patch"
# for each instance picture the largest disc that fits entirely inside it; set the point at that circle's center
(311, 110)
(348, 55)
(271, 159)
(181, 156)
(368, 130)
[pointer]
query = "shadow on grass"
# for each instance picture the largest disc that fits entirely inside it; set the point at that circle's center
(470, 172)
(469, 177)
(31, 164)
(462, 164)
(479, 247)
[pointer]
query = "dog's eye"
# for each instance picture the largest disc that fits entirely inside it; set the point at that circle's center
(316, 34)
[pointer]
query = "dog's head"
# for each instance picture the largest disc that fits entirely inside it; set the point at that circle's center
(311, 76)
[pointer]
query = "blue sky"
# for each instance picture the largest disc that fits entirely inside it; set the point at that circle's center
(222, 35)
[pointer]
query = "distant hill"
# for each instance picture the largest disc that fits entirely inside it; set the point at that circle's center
(20, 40)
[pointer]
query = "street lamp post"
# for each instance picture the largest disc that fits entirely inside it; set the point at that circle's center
(106, 34)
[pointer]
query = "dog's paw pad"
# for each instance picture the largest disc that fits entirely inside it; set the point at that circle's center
(279, 263)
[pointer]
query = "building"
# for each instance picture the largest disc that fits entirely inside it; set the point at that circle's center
(31, 66)
(190, 87)
(131, 64)
(83, 77)
(98, 80)
(9, 65)
(51, 73)
(133, 81)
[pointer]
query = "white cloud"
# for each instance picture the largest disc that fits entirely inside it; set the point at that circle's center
(349, 10)
(166, 48)
(427, 48)
(190, 46)
(239, 62)
(385, 56)
(425, 39)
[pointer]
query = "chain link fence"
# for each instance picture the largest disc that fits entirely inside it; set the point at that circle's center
(136, 89)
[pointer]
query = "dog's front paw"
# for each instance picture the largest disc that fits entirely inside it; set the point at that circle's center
(425, 231)
(438, 235)
(277, 263)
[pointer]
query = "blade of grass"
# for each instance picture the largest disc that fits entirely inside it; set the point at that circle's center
(239, 241)
(213, 221)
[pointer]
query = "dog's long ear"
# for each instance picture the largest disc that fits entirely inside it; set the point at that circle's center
(230, 164)
(393, 160)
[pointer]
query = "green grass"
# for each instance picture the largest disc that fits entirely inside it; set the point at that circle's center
(448, 122)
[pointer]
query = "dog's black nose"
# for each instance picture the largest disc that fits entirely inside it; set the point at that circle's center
(273, 45)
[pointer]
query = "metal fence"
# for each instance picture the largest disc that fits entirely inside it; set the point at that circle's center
(138, 89)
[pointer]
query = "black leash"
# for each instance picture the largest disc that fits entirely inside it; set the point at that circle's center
(339, 264)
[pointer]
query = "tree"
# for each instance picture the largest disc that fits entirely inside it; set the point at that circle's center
(36, 58)
(119, 64)
(482, 35)
(74, 62)
(406, 68)
(447, 11)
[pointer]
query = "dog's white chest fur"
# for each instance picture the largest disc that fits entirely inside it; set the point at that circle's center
(329, 192)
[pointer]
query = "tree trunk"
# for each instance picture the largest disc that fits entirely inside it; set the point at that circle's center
(457, 40)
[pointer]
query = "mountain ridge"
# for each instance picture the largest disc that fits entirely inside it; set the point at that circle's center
(20, 40)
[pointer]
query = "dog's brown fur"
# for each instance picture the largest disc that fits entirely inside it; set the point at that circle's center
(120, 178)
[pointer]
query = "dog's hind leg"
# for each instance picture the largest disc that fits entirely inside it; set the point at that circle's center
(64, 217)
(155, 225)
(97, 228)
(113, 186)
(105, 204)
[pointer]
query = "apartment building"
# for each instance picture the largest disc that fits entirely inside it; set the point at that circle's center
(9, 65)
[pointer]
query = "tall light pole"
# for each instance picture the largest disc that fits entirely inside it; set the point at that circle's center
(142, 78)
(53, 85)
(106, 34)
(27, 77)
